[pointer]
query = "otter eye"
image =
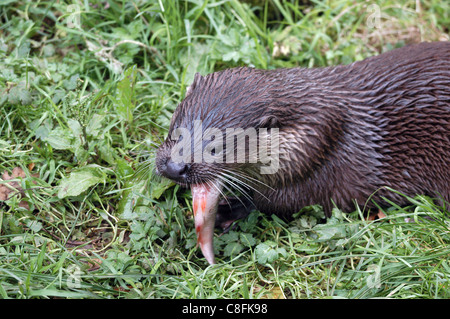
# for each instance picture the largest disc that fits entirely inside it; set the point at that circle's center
(214, 150)
(176, 139)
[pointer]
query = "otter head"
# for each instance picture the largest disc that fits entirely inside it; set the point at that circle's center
(215, 142)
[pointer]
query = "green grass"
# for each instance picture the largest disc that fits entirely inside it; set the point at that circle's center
(87, 90)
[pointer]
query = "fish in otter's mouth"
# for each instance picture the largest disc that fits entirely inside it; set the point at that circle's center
(205, 202)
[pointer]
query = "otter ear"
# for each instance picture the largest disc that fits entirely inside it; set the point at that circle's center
(188, 90)
(268, 121)
(197, 78)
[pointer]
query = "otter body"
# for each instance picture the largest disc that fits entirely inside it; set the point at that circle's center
(384, 121)
(345, 132)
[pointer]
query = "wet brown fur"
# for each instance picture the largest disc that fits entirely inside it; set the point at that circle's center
(345, 131)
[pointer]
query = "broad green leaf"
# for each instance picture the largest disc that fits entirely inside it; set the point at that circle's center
(247, 239)
(60, 139)
(125, 209)
(75, 127)
(19, 95)
(71, 83)
(233, 249)
(265, 253)
(230, 237)
(95, 124)
(123, 169)
(333, 229)
(34, 225)
(157, 189)
(268, 252)
(80, 180)
(125, 94)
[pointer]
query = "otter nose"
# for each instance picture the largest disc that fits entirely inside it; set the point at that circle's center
(175, 170)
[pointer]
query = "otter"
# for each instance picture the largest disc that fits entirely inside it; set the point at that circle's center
(341, 134)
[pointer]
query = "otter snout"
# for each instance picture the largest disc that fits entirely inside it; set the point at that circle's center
(169, 168)
(174, 170)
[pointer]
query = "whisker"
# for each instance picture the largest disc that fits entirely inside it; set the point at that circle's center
(244, 180)
(248, 177)
(244, 193)
(232, 193)
(244, 184)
